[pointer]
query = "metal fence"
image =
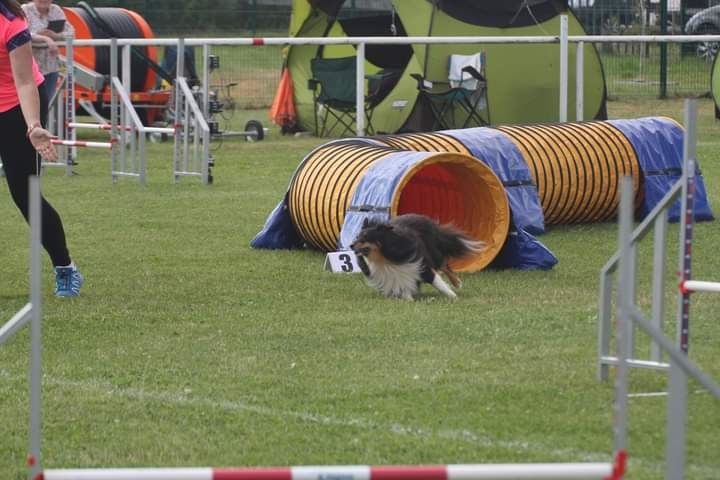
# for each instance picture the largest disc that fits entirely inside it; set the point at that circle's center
(630, 69)
(248, 77)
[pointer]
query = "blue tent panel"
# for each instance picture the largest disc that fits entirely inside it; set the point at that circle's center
(658, 144)
(524, 252)
(498, 152)
(278, 231)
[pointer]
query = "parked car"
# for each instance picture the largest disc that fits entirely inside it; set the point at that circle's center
(705, 22)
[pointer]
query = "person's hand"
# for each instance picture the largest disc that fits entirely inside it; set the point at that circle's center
(49, 34)
(51, 45)
(47, 37)
(40, 139)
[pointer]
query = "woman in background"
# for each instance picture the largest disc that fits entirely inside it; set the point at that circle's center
(39, 14)
(22, 137)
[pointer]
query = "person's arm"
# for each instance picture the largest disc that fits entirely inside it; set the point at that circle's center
(45, 38)
(21, 63)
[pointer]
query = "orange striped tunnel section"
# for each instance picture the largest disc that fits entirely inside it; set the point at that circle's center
(577, 168)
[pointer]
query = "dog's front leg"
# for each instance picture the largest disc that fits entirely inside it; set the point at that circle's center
(363, 265)
(433, 278)
(452, 276)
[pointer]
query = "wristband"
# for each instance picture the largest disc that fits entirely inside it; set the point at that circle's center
(31, 128)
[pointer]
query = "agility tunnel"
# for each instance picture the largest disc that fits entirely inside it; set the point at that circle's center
(553, 174)
(546, 173)
(340, 184)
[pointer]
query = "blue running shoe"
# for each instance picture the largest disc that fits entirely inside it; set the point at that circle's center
(68, 281)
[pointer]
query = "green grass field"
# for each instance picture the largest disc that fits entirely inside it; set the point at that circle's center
(189, 348)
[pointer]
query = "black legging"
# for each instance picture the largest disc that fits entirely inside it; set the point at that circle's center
(19, 162)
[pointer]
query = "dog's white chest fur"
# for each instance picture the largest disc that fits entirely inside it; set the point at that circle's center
(394, 280)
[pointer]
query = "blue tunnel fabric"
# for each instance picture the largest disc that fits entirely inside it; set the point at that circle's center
(658, 144)
(374, 193)
(278, 231)
(498, 152)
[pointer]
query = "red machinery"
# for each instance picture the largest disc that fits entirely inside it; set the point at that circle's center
(96, 23)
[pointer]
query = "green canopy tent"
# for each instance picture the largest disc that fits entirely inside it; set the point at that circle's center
(523, 79)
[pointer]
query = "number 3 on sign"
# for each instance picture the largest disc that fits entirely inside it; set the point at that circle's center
(342, 262)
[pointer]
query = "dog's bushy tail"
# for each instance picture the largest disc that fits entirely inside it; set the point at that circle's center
(455, 243)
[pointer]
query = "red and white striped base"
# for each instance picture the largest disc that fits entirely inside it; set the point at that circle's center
(555, 471)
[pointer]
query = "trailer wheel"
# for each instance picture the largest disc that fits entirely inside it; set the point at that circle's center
(254, 131)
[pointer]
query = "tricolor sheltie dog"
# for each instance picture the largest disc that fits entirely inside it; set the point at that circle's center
(398, 256)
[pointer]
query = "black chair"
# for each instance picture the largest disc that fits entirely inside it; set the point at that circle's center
(461, 100)
(333, 84)
(379, 86)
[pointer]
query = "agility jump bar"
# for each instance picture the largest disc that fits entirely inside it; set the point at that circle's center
(555, 471)
(81, 143)
(127, 128)
(699, 286)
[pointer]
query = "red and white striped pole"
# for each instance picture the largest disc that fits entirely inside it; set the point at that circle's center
(555, 471)
(97, 126)
(81, 143)
(688, 286)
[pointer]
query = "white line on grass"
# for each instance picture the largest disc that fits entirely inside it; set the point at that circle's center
(657, 394)
(465, 436)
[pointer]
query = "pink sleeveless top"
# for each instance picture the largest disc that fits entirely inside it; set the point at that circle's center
(13, 33)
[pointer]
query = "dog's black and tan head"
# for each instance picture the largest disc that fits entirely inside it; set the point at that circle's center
(379, 242)
(370, 239)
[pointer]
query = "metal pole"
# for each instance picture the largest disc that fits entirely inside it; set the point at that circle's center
(663, 49)
(360, 91)
(579, 82)
(686, 222)
(180, 66)
(128, 138)
(676, 433)
(35, 329)
(562, 117)
(114, 132)
(624, 309)
(69, 133)
(658, 281)
(206, 80)
(141, 155)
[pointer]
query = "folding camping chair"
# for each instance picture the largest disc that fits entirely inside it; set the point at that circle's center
(333, 85)
(461, 101)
